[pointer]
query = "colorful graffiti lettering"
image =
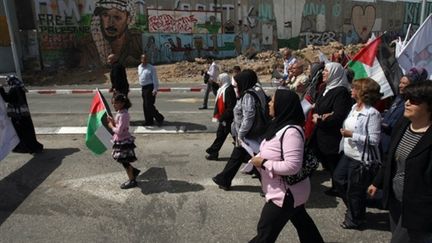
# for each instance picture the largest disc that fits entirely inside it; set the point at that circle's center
(314, 9)
(168, 24)
(323, 38)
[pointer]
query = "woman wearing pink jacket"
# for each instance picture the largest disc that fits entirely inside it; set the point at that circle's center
(281, 153)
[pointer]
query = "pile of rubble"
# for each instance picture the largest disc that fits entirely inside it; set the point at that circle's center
(190, 72)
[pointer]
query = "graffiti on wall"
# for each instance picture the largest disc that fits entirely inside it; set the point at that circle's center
(352, 22)
(165, 21)
(83, 32)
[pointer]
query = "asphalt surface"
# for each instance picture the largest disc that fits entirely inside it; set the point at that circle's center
(67, 194)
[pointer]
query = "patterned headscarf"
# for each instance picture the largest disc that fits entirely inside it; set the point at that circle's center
(102, 45)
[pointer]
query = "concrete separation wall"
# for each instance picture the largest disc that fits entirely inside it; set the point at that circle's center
(81, 33)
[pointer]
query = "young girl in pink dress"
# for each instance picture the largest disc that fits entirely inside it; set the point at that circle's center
(123, 148)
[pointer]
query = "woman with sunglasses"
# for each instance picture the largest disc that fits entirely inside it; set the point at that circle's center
(406, 174)
(396, 110)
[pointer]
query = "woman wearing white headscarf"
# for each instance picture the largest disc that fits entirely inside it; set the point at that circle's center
(331, 108)
(223, 113)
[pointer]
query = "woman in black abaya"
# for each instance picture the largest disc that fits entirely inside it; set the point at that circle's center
(18, 111)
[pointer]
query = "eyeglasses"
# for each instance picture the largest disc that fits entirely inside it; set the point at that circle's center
(412, 100)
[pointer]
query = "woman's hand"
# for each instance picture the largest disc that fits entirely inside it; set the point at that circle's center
(315, 118)
(372, 190)
(346, 133)
(326, 115)
(257, 161)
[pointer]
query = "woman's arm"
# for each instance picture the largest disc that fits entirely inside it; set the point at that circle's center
(374, 130)
(293, 148)
(248, 111)
(340, 109)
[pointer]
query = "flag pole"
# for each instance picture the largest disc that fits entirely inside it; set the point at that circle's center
(423, 9)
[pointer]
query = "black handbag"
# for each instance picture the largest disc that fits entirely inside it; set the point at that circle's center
(310, 162)
(370, 162)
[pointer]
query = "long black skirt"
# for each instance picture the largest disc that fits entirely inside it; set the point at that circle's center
(25, 130)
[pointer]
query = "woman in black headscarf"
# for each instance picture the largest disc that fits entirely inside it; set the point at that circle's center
(18, 111)
(281, 154)
(243, 129)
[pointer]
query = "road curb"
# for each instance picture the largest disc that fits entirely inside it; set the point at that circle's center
(91, 91)
(132, 90)
(180, 129)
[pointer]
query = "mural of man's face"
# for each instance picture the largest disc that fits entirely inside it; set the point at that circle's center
(114, 22)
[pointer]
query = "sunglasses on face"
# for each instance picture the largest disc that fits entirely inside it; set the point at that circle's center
(412, 100)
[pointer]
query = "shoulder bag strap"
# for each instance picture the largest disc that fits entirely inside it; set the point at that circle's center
(283, 134)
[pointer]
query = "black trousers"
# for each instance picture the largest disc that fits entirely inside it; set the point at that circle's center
(221, 135)
(237, 158)
(149, 108)
(352, 185)
(211, 86)
(328, 161)
(274, 218)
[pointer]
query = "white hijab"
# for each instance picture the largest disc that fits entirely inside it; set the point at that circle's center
(225, 79)
(336, 77)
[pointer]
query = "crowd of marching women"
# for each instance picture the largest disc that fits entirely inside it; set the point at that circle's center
(335, 118)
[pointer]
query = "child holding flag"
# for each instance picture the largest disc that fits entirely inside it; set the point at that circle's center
(123, 148)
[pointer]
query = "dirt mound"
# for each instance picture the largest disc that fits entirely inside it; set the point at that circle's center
(188, 72)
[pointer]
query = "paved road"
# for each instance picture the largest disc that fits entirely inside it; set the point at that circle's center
(66, 194)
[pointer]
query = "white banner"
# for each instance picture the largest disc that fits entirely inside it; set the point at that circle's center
(418, 51)
(8, 137)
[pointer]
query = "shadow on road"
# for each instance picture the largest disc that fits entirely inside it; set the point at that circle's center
(187, 125)
(155, 180)
(17, 186)
(317, 197)
(378, 221)
(256, 189)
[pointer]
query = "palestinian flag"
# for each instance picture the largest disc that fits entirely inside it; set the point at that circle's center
(98, 137)
(365, 64)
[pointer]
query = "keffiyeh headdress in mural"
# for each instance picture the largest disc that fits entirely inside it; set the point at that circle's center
(102, 45)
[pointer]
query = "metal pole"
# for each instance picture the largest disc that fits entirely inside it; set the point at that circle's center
(423, 9)
(12, 40)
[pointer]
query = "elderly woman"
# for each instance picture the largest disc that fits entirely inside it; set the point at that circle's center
(361, 131)
(18, 111)
(223, 114)
(397, 108)
(406, 174)
(281, 153)
(242, 128)
(331, 108)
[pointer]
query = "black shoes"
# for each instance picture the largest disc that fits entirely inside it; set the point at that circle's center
(202, 108)
(136, 172)
(220, 184)
(332, 192)
(344, 225)
(212, 156)
(129, 184)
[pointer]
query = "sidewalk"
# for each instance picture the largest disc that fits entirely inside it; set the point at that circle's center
(134, 88)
